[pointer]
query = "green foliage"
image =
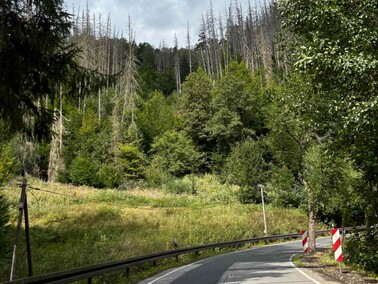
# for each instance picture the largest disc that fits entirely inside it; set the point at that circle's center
(196, 96)
(209, 187)
(362, 249)
(247, 168)
(174, 153)
(287, 122)
(337, 51)
(178, 185)
(8, 160)
(151, 79)
(109, 176)
(236, 107)
(108, 225)
(8, 164)
(156, 117)
(131, 160)
(89, 138)
(313, 174)
(338, 47)
(4, 219)
(283, 190)
(331, 184)
(154, 176)
(83, 171)
(34, 58)
(4, 209)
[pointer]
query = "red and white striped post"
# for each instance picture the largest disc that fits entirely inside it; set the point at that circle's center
(304, 241)
(337, 246)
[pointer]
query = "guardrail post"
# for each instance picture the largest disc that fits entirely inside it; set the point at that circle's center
(154, 263)
(127, 272)
(175, 246)
(89, 280)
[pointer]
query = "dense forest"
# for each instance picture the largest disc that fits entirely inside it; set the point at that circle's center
(280, 96)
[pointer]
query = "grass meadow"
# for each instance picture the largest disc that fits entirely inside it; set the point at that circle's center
(75, 226)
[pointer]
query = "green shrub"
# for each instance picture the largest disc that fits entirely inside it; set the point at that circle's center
(175, 153)
(8, 164)
(210, 188)
(131, 159)
(4, 207)
(83, 171)
(362, 249)
(108, 176)
(155, 175)
(178, 186)
(159, 178)
(4, 218)
(64, 176)
(282, 189)
(247, 168)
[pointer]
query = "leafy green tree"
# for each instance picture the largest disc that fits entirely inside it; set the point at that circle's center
(283, 190)
(293, 141)
(247, 167)
(196, 111)
(338, 52)
(328, 182)
(287, 129)
(236, 107)
(174, 153)
(156, 117)
(87, 136)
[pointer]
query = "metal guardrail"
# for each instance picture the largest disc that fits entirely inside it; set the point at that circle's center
(88, 272)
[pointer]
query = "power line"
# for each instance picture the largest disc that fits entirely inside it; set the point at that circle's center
(35, 197)
(76, 197)
(58, 193)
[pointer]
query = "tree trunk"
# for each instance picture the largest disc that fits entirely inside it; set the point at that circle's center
(311, 230)
(56, 162)
(311, 219)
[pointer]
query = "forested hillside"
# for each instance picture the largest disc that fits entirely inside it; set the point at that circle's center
(280, 96)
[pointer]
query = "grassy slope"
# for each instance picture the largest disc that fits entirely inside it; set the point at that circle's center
(104, 225)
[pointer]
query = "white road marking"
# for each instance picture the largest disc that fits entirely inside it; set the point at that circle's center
(173, 271)
(188, 265)
(302, 272)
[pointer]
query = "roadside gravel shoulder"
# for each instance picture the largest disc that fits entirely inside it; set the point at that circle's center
(329, 273)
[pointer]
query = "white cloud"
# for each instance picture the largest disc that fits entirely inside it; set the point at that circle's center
(155, 20)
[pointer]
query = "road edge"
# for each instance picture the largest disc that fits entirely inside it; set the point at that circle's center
(301, 271)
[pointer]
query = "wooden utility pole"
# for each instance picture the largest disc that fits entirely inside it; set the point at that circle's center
(22, 210)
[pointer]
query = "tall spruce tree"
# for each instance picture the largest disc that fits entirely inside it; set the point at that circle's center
(34, 57)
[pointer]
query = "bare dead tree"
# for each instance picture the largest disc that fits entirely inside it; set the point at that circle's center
(129, 79)
(177, 65)
(189, 47)
(56, 161)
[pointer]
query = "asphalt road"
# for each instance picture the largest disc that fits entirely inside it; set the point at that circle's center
(268, 264)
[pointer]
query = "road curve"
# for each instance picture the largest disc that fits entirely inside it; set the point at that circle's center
(268, 264)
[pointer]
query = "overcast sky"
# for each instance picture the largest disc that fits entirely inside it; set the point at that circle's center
(155, 20)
